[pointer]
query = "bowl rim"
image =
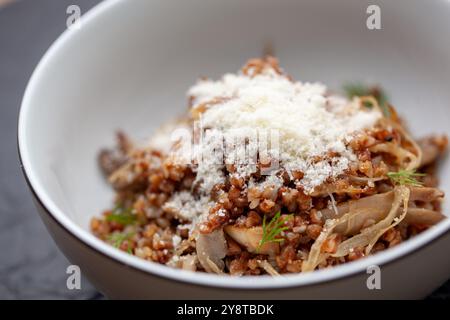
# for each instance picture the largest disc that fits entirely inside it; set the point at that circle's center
(84, 236)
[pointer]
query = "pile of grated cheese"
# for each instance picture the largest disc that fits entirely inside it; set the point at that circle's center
(187, 208)
(307, 124)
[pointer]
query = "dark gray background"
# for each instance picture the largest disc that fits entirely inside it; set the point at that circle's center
(31, 266)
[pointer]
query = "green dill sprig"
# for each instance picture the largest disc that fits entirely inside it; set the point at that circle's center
(273, 229)
(406, 178)
(361, 90)
(121, 215)
(117, 238)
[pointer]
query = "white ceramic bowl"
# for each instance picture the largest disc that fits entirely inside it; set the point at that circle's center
(128, 67)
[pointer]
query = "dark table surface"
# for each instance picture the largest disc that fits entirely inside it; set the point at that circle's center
(31, 266)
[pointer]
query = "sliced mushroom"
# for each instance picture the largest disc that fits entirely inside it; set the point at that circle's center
(372, 208)
(268, 268)
(375, 208)
(189, 262)
(432, 147)
(425, 217)
(425, 194)
(126, 178)
(211, 249)
(111, 160)
(250, 239)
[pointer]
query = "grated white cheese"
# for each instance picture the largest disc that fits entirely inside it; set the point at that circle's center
(271, 181)
(176, 240)
(164, 137)
(305, 122)
(185, 207)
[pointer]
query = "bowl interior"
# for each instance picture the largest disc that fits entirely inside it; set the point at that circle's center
(129, 65)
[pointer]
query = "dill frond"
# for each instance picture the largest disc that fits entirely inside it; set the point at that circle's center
(121, 215)
(273, 229)
(406, 178)
(361, 90)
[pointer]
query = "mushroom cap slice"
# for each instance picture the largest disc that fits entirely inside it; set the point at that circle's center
(250, 239)
(211, 249)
